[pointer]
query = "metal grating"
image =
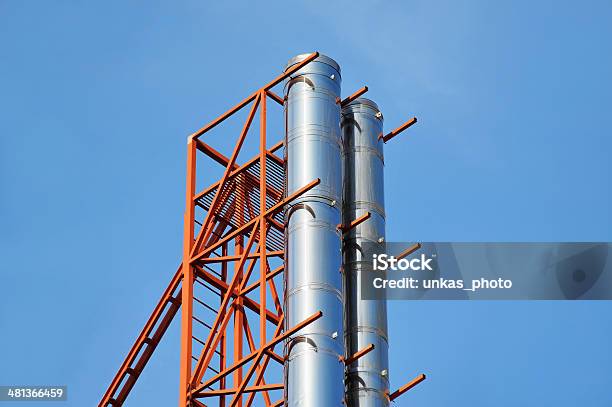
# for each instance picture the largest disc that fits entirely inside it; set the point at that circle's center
(239, 200)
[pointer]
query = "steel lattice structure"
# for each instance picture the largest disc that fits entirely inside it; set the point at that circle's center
(228, 283)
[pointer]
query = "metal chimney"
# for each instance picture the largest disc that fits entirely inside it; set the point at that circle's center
(314, 376)
(323, 365)
(366, 321)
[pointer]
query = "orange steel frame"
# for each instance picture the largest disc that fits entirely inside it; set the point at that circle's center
(225, 227)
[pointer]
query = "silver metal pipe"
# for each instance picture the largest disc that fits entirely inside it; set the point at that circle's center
(366, 321)
(314, 376)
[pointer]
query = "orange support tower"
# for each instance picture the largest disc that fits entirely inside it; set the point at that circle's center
(228, 280)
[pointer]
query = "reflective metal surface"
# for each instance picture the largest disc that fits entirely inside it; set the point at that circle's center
(366, 321)
(314, 376)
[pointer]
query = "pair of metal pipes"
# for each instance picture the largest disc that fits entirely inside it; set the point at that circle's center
(341, 147)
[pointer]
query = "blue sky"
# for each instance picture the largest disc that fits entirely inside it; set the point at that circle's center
(512, 144)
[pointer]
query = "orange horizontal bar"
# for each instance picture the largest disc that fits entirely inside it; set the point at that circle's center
(221, 259)
(354, 96)
(397, 131)
(407, 387)
(409, 251)
(250, 389)
(355, 223)
(359, 354)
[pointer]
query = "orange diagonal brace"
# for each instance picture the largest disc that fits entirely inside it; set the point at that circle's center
(276, 158)
(142, 337)
(264, 365)
(224, 116)
(256, 284)
(275, 97)
(255, 94)
(198, 403)
(223, 160)
(215, 334)
(261, 351)
(260, 369)
(204, 231)
(291, 71)
(254, 355)
(247, 302)
(275, 297)
(214, 154)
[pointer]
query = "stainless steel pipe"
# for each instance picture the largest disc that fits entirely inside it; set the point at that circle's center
(366, 321)
(314, 375)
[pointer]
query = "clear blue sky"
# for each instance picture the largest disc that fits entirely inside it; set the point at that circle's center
(513, 144)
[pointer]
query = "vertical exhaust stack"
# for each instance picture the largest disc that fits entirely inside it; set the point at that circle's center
(366, 321)
(314, 376)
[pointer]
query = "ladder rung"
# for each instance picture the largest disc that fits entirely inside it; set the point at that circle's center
(208, 367)
(199, 340)
(203, 344)
(206, 305)
(201, 322)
